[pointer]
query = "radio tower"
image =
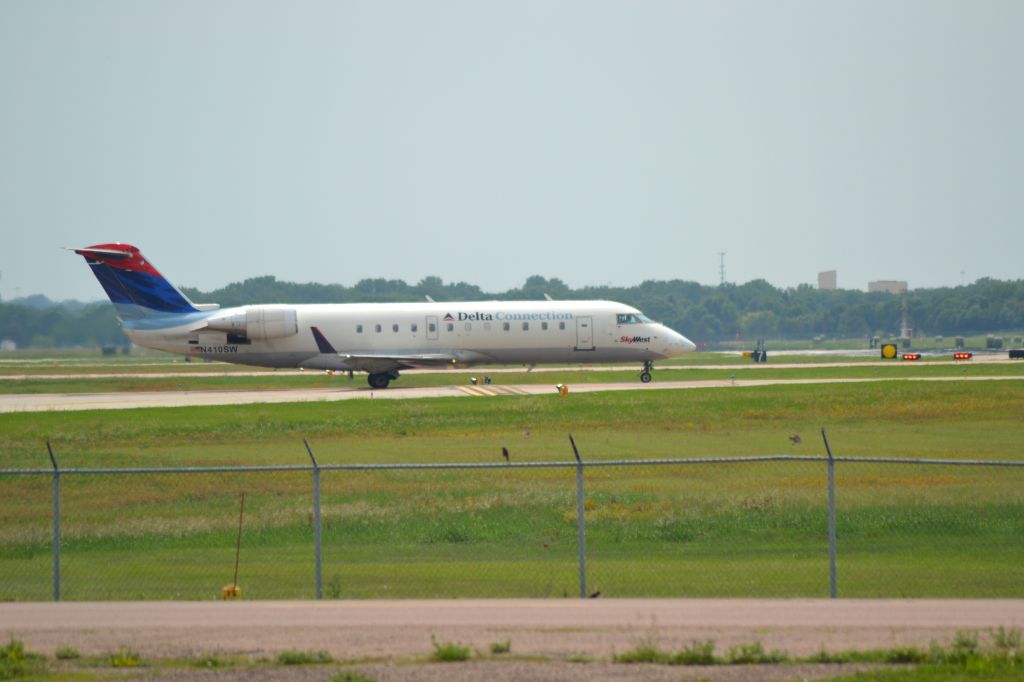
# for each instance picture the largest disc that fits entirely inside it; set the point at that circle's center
(721, 268)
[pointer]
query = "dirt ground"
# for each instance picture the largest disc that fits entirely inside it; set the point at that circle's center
(392, 640)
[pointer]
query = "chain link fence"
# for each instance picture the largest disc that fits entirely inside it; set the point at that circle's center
(770, 526)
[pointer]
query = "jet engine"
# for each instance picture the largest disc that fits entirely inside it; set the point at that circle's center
(257, 322)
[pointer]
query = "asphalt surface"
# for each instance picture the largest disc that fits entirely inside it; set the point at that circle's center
(558, 629)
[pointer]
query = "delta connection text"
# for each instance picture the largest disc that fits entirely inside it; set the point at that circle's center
(500, 315)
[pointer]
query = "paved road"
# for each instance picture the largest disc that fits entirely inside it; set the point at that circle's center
(550, 628)
(213, 369)
(44, 402)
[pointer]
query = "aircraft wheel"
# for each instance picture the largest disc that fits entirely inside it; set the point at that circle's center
(378, 380)
(645, 377)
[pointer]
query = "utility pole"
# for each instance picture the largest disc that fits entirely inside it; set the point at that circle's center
(721, 268)
(905, 330)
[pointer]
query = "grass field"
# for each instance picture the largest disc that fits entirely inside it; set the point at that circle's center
(680, 530)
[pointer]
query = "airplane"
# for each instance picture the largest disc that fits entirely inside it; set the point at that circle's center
(380, 339)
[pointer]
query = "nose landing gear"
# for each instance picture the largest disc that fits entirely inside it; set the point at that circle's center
(645, 375)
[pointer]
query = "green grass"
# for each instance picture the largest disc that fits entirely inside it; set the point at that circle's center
(693, 530)
(498, 648)
(67, 653)
(16, 662)
(956, 419)
(350, 676)
(296, 657)
(449, 652)
(960, 661)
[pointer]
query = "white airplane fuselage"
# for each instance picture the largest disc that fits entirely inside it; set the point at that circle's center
(492, 332)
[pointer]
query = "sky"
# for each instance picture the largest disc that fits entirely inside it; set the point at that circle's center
(486, 141)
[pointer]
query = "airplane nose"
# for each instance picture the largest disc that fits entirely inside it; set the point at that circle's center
(679, 344)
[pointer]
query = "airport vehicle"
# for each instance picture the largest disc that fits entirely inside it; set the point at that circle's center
(380, 339)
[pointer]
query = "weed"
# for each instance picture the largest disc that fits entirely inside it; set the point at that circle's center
(124, 658)
(449, 651)
(849, 656)
(580, 658)
(209, 661)
(696, 653)
(754, 652)
(1006, 640)
(67, 653)
(501, 647)
(352, 676)
(296, 657)
(963, 648)
(334, 587)
(643, 653)
(905, 654)
(16, 662)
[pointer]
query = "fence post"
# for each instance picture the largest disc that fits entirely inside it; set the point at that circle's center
(56, 523)
(832, 589)
(581, 524)
(316, 522)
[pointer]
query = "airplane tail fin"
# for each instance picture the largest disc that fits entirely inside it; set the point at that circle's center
(134, 286)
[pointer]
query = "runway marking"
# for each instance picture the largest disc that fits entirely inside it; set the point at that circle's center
(490, 391)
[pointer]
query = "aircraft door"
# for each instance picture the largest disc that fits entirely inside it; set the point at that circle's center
(432, 327)
(585, 333)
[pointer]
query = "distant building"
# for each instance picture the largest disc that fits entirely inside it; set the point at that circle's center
(8, 345)
(889, 286)
(827, 280)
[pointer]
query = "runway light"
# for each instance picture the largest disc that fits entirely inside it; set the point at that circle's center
(963, 356)
(911, 356)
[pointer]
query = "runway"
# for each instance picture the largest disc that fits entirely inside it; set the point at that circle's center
(48, 402)
(190, 371)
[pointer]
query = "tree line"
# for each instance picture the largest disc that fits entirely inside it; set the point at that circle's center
(707, 314)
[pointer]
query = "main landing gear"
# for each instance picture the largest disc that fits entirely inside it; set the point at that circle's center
(645, 375)
(381, 379)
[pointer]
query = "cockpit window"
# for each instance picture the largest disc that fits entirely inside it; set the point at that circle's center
(630, 318)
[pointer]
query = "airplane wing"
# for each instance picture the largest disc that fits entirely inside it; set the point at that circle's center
(383, 362)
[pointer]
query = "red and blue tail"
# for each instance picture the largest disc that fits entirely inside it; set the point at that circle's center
(134, 286)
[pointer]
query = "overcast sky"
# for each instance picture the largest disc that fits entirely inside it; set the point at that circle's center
(598, 142)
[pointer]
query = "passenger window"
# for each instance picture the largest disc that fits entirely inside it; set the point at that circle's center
(544, 326)
(561, 325)
(451, 327)
(359, 329)
(376, 328)
(526, 326)
(505, 326)
(394, 327)
(432, 327)
(414, 327)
